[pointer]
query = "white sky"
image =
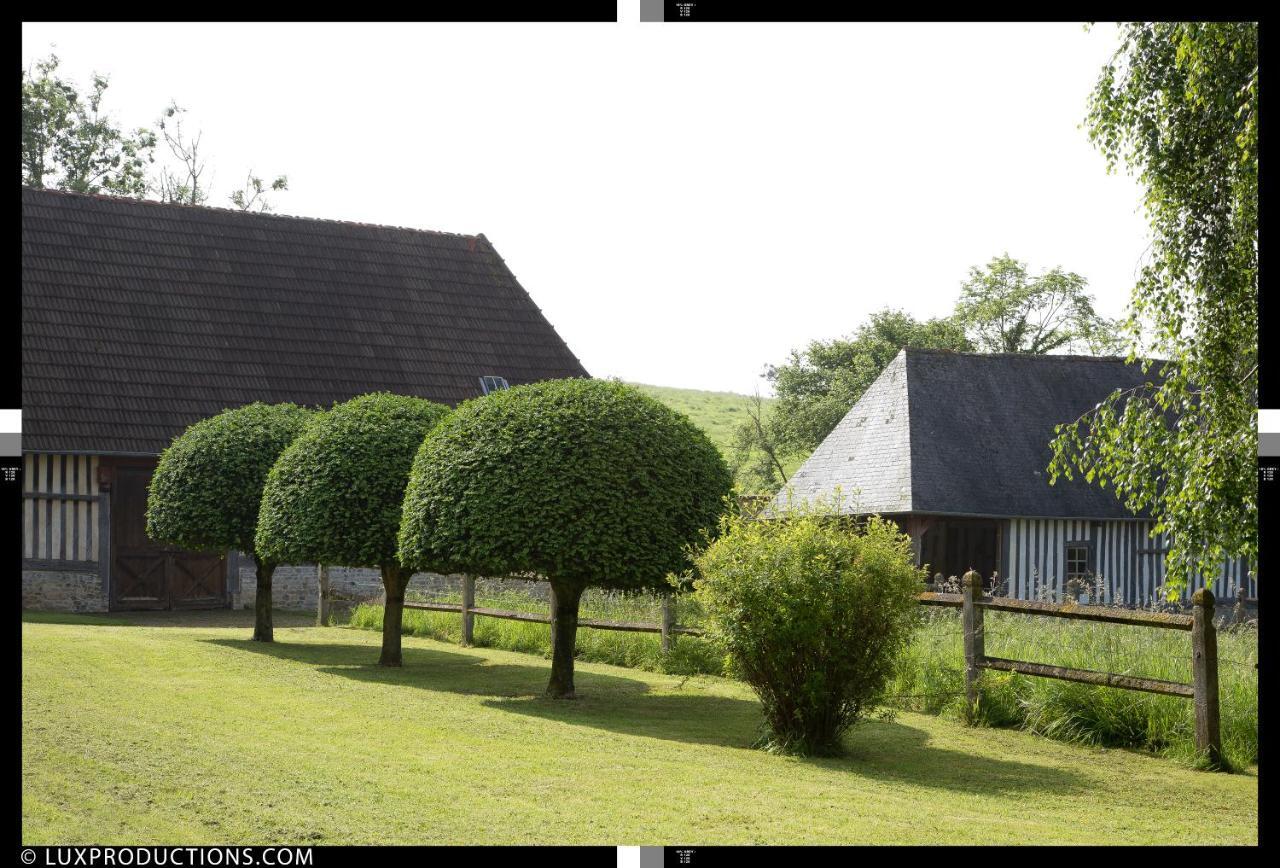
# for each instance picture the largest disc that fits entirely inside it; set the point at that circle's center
(684, 202)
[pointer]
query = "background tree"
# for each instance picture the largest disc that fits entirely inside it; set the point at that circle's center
(1006, 310)
(818, 385)
(1178, 103)
(181, 184)
(70, 143)
(758, 463)
(579, 482)
(207, 488)
(185, 182)
(251, 197)
(334, 495)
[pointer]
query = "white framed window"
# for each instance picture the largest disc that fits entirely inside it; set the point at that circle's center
(1078, 561)
(491, 383)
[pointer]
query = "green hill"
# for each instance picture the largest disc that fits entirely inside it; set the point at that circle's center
(717, 413)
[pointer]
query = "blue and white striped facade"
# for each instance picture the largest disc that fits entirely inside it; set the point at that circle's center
(1129, 563)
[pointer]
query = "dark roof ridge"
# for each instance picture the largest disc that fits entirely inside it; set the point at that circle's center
(272, 215)
(1057, 356)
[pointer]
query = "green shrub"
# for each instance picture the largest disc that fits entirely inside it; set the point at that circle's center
(334, 495)
(207, 488)
(581, 482)
(813, 612)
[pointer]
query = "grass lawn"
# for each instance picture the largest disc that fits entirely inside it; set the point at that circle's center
(173, 729)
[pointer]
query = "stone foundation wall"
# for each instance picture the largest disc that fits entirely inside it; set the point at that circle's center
(297, 587)
(63, 591)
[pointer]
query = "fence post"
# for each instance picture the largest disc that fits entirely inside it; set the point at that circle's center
(668, 621)
(974, 648)
(1239, 615)
(322, 603)
(1204, 657)
(468, 603)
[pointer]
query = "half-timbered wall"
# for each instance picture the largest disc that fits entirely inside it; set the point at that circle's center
(60, 508)
(64, 534)
(1128, 562)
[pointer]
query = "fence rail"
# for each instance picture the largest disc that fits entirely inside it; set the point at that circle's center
(1203, 689)
(468, 610)
(973, 603)
(594, 623)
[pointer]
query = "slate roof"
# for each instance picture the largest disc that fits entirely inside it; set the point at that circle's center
(139, 318)
(966, 434)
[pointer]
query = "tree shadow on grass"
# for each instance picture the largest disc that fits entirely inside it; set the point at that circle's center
(880, 750)
(173, 618)
(894, 751)
(431, 669)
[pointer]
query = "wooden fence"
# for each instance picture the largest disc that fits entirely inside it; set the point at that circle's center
(1203, 689)
(468, 609)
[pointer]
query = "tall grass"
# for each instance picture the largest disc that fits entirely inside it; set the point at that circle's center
(930, 676)
(931, 679)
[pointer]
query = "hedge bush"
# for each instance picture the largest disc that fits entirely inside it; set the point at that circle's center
(813, 612)
(580, 482)
(207, 488)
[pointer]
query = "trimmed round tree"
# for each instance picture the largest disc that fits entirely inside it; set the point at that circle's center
(578, 482)
(207, 488)
(334, 495)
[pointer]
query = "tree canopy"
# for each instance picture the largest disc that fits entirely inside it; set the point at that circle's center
(206, 491)
(1178, 104)
(580, 482)
(207, 487)
(334, 495)
(1005, 309)
(69, 141)
(588, 481)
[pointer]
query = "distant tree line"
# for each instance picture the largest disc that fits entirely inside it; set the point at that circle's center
(70, 142)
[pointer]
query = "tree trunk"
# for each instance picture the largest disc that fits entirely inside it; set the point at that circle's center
(394, 581)
(322, 596)
(564, 633)
(262, 631)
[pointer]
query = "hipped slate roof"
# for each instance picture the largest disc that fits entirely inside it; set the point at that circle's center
(966, 434)
(139, 318)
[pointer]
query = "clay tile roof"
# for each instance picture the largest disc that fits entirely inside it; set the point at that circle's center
(139, 318)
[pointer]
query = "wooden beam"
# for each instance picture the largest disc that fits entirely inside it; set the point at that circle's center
(467, 607)
(57, 495)
(68, 566)
(1088, 613)
(434, 607)
(930, 598)
(507, 614)
(1088, 676)
(1204, 648)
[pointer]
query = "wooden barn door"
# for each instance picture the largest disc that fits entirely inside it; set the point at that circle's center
(147, 575)
(954, 545)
